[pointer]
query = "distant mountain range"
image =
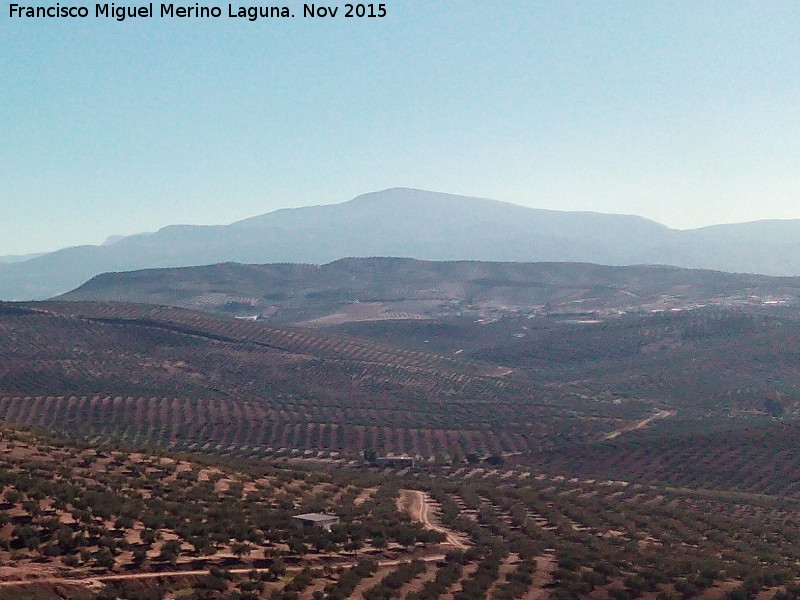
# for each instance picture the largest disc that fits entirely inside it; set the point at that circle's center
(418, 224)
(13, 258)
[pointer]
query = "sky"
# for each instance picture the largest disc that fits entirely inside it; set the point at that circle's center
(684, 112)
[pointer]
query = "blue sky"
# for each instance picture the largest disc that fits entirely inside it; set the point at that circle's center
(684, 112)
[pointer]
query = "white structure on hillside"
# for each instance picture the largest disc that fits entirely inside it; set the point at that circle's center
(316, 520)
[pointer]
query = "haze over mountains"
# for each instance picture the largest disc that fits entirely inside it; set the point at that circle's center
(418, 224)
(13, 258)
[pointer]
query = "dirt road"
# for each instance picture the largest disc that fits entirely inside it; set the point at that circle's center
(642, 423)
(418, 505)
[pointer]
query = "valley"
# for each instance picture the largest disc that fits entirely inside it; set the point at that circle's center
(405, 300)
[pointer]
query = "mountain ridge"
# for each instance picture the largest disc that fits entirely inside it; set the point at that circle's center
(423, 225)
(372, 289)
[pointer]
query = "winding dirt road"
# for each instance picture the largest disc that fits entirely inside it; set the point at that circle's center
(419, 506)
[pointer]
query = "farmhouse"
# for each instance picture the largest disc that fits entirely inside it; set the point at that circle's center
(315, 520)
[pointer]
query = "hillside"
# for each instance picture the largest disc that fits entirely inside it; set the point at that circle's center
(191, 379)
(713, 366)
(84, 521)
(141, 371)
(373, 289)
(642, 455)
(90, 522)
(423, 225)
(129, 337)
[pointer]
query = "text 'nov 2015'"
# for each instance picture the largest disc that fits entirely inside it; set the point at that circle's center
(150, 10)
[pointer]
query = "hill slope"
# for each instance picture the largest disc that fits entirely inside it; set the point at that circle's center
(380, 288)
(171, 373)
(515, 385)
(418, 224)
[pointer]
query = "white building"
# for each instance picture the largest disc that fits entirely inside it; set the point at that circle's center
(316, 520)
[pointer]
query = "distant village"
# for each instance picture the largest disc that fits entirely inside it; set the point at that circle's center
(582, 312)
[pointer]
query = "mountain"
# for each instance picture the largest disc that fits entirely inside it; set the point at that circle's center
(424, 225)
(373, 289)
(14, 258)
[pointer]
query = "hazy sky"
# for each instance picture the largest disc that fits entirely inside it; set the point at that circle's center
(684, 112)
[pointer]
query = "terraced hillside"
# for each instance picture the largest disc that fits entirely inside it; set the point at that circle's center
(589, 538)
(194, 380)
(712, 364)
(90, 522)
(80, 518)
(177, 376)
(762, 458)
(650, 456)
